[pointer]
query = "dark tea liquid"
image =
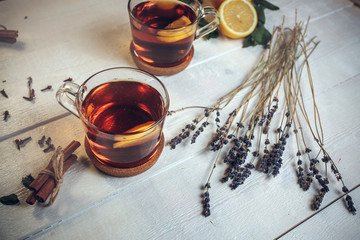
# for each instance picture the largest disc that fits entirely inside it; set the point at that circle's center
(155, 40)
(131, 110)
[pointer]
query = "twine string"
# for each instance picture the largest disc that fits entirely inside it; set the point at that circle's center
(57, 161)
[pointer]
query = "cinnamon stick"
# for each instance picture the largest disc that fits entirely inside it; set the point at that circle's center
(49, 185)
(8, 36)
(8, 33)
(7, 40)
(42, 178)
(31, 198)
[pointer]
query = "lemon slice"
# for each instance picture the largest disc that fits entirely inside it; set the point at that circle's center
(179, 23)
(138, 137)
(166, 4)
(177, 30)
(141, 127)
(238, 18)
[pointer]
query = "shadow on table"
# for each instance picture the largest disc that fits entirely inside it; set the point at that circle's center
(111, 42)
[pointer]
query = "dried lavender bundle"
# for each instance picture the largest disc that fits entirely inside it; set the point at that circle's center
(253, 138)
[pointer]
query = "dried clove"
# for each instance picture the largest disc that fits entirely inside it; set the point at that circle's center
(31, 91)
(50, 148)
(68, 79)
(30, 82)
(47, 88)
(48, 141)
(41, 141)
(4, 93)
(22, 142)
(6, 115)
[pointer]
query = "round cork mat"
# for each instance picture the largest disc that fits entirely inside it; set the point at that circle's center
(125, 172)
(160, 71)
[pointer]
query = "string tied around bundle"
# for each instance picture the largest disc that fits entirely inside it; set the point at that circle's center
(56, 172)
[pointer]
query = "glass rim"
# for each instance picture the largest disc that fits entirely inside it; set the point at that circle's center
(198, 16)
(166, 99)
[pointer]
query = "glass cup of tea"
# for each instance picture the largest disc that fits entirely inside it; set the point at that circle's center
(123, 112)
(163, 32)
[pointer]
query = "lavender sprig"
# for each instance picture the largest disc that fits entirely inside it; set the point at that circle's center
(274, 91)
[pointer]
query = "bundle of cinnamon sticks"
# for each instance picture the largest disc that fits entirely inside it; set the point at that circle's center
(44, 184)
(8, 36)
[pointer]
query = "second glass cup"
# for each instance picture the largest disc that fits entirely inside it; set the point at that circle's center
(163, 32)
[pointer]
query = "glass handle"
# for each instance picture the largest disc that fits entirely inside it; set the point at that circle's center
(211, 26)
(66, 95)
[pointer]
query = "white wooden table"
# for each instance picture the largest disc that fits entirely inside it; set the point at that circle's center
(74, 38)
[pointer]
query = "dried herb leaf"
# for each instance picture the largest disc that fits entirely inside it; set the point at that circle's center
(260, 36)
(266, 37)
(261, 14)
(258, 33)
(11, 199)
(213, 34)
(249, 41)
(26, 181)
(269, 5)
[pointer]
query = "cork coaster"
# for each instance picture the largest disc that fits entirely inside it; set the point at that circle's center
(125, 172)
(159, 71)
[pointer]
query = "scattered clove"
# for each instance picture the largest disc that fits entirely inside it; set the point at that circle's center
(31, 91)
(47, 88)
(22, 142)
(6, 115)
(30, 80)
(48, 141)
(41, 141)
(50, 148)
(4, 93)
(68, 79)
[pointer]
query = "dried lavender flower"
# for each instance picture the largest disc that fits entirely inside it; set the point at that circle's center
(206, 200)
(350, 204)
